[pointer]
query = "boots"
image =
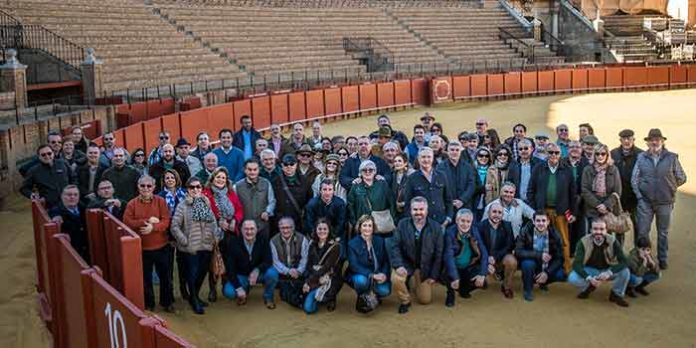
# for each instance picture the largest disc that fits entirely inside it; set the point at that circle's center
(196, 305)
(449, 301)
(630, 292)
(586, 293)
(620, 301)
(641, 289)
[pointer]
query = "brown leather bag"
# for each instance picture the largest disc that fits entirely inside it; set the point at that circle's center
(618, 221)
(217, 265)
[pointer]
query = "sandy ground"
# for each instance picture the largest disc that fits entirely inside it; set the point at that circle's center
(666, 318)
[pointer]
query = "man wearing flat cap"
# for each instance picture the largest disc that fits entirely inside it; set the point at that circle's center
(427, 121)
(306, 168)
(656, 177)
(625, 156)
(588, 144)
(395, 135)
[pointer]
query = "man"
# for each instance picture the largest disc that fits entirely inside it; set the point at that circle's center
(599, 258)
(156, 153)
(149, 216)
(330, 207)
(260, 145)
(465, 257)
(576, 162)
(257, 197)
(625, 157)
(298, 137)
(289, 250)
(384, 121)
(168, 161)
(305, 156)
(553, 189)
(107, 151)
(292, 191)
(540, 141)
(656, 176)
(459, 176)
(55, 141)
(78, 137)
(416, 254)
(588, 144)
(384, 137)
(229, 156)
(269, 168)
(481, 129)
(520, 170)
(89, 174)
(246, 137)
(389, 152)
(519, 132)
(47, 179)
(431, 185)
(104, 199)
(499, 240)
(585, 129)
(416, 144)
(352, 145)
(515, 210)
(315, 140)
(71, 218)
(209, 165)
(202, 146)
(563, 139)
(437, 144)
(427, 121)
(250, 264)
(278, 143)
(472, 148)
(183, 154)
(539, 251)
(338, 141)
(351, 168)
(122, 176)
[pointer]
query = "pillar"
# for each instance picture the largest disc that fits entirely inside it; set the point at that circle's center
(537, 29)
(92, 81)
(13, 78)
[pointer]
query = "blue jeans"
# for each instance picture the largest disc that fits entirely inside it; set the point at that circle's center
(269, 279)
(620, 280)
(647, 277)
(662, 213)
(361, 284)
(530, 268)
(310, 303)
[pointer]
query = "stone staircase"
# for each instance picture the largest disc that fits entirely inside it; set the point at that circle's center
(624, 36)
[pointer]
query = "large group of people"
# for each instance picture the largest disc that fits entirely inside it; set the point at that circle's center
(307, 214)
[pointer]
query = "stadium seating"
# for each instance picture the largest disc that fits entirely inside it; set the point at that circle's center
(626, 38)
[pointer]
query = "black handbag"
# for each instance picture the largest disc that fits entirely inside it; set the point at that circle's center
(367, 301)
(291, 292)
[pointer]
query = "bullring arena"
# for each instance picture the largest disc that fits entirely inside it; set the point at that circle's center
(177, 66)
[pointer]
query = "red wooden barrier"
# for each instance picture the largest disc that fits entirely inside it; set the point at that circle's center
(562, 80)
(315, 103)
(279, 108)
(351, 98)
(167, 339)
(124, 252)
(171, 124)
(441, 90)
(614, 79)
(297, 110)
(97, 241)
(261, 112)
(133, 136)
(496, 85)
(530, 82)
(479, 85)
(385, 94)
(44, 229)
(677, 76)
(402, 92)
(368, 96)
(691, 75)
(546, 82)
(216, 118)
(151, 131)
(658, 76)
(190, 104)
(596, 79)
(513, 83)
(419, 91)
(635, 77)
(332, 101)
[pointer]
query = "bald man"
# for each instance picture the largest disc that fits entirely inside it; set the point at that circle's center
(168, 161)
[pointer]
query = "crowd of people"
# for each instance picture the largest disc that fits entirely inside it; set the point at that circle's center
(378, 212)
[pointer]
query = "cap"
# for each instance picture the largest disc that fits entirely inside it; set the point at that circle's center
(385, 132)
(289, 159)
(541, 136)
(182, 142)
(472, 136)
(590, 139)
(333, 157)
(626, 133)
(426, 116)
(305, 148)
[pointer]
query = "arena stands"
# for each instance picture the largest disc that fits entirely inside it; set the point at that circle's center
(624, 35)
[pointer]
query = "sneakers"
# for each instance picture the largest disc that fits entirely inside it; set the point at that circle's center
(620, 301)
(404, 308)
(269, 304)
(449, 301)
(586, 293)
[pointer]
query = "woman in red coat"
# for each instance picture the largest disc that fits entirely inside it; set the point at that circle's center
(228, 212)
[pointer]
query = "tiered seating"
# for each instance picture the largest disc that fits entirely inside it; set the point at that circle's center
(626, 38)
(137, 47)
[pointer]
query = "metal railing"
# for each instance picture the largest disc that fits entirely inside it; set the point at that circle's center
(553, 43)
(516, 43)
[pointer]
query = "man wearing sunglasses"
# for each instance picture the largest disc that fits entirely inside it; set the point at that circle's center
(46, 180)
(55, 141)
(520, 170)
(563, 139)
(351, 168)
(156, 154)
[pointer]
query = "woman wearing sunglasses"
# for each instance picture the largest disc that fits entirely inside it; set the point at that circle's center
(600, 181)
(138, 161)
(332, 168)
(497, 173)
(481, 164)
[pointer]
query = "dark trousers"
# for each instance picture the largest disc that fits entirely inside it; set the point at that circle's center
(530, 268)
(578, 229)
(181, 270)
(196, 266)
(466, 285)
(161, 260)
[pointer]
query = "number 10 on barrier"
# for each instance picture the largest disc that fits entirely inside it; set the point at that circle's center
(117, 328)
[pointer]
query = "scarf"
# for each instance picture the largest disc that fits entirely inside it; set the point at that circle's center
(201, 212)
(223, 203)
(502, 166)
(599, 185)
(482, 172)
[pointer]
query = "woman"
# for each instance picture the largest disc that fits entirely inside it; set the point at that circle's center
(343, 154)
(400, 172)
(599, 181)
(172, 192)
(323, 274)
(369, 194)
(497, 173)
(196, 232)
(319, 158)
(79, 138)
(332, 169)
(491, 140)
(481, 164)
(138, 161)
(436, 129)
(228, 213)
(368, 261)
(73, 158)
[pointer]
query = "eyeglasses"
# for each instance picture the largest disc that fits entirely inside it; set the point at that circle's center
(523, 148)
(304, 155)
(554, 152)
(146, 185)
(164, 138)
(343, 154)
(503, 154)
(480, 124)
(601, 154)
(46, 154)
(368, 170)
(139, 155)
(482, 155)
(195, 187)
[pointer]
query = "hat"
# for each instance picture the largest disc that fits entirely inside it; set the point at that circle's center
(426, 116)
(289, 159)
(305, 148)
(182, 142)
(367, 164)
(655, 133)
(333, 157)
(626, 133)
(541, 136)
(590, 139)
(385, 132)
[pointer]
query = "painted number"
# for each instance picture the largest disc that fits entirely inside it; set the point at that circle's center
(117, 328)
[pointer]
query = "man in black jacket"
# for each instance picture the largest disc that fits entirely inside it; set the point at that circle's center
(351, 168)
(250, 263)
(292, 192)
(46, 180)
(245, 138)
(104, 199)
(519, 132)
(520, 170)
(625, 157)
(416, 253)
(168, 161)
(71, 218)
(539, 251)
(431, 185)
(499, 240)
(330, 207)
(89, 174)
(459, 175)
(553, 190)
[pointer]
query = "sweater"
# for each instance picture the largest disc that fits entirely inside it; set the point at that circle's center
(138, 211)
(614, 255)
(232, 160)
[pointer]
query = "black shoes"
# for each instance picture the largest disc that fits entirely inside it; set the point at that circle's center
(403, 308)
(630, 293)
(664, 265)
(212, 296)
(449, 301)
(641, 289)
(331, 306)
(620, 301)
(586, 293)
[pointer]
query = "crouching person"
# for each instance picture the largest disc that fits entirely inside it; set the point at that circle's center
(499, 239)
(195, 229)
(368, 260)
(644, 269)
(251, 263)
(599, 258)
(416, 254)
(323, 276)
(289, 250)
(539, 250)
(465, 257)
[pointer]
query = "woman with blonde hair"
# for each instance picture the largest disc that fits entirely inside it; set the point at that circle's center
(600, 180)
(369, 266)
(332, 169)
(497, 172)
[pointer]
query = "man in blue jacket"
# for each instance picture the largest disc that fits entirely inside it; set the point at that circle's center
(431, 185)
(351, 168)
(330, 207)
(229, 156)
(465, 257)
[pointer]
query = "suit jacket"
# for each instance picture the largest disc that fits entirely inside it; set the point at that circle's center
(515, 173)
(504, 243)
(74, 226)
(241, 263)
(403, 248)
(566, 189)
(82, 176)
(359, 260)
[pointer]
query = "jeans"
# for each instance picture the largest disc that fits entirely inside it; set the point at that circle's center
(620, 280)
(530, 268)
(310, 303)
(269, 279)
(663, 215)
(195, 267)
(647, 278)
(361, 285)
(161, 261)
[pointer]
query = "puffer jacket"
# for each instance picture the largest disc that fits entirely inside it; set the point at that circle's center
(193, 236)
(657, 183)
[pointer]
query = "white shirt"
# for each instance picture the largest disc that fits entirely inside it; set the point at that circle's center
(513, 213)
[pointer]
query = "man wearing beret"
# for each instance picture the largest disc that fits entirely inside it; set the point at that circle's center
(625, 157)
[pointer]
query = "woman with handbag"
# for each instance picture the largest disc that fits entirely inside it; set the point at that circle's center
(601, 185)
(228, 213)
(173, 193)
(401, 170)
(369, 266)
(196, 231)
(372, 196)
(497, 173)
(323, 279)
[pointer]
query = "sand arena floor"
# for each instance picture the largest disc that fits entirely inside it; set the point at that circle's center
(666, 318)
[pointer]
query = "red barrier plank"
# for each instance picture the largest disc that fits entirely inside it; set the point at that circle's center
(125, 260)
(368, 96)
(43, 287)
(529, 82)
(315, 103)
(97, 240)
(691, 75)
(479, 85)
(635, 76)
(614, 78)
(385, 94)
(495, 85)
(171, 124)
(332, 101)
(241, 108)
(298, 111)
(596, 79)
(546, 81)
(441, 89)
(402, 92)
(166, 106)
(218, 117)
(167, 339)
(513, 83)
(351, 98)
(658, 76)
(461, 87)
(678, 75)
(279, 108)
(133, 136)
(119, 139)
(419, 91)
(261, 112)
(579, 80)
(138, 112)
(151, 130)
(192, 122)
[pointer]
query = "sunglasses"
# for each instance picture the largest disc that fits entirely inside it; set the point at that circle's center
(288, 164)
(56, 142)
(368, 170)
(482, 155)
(139, 155)
(46, 154)
(331, 163)
(554, 152)
(146, 185)
(563, 130)
(480, 124)
(601, 154)
(503, 154)
(343, 154)
(164, 138)
(524, 148)
(304, 155)
(195, 187)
